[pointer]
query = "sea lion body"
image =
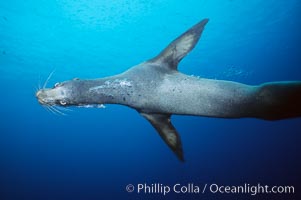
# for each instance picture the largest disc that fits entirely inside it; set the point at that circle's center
(157, 90)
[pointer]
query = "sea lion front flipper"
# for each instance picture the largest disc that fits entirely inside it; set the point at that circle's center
(167, 132)
(180, 47)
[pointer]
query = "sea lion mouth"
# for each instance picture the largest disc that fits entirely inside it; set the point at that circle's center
(43, 102)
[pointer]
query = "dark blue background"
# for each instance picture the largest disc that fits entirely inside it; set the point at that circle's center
(95, 153)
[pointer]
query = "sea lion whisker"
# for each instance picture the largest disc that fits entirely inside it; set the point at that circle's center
(48, 78)
(39, 82)
(57, 110)
(36, 89)
(48, 109)
(53, 110)
(63, 108)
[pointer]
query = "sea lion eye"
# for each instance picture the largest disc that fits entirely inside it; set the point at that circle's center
(62, 102)
(56, 85)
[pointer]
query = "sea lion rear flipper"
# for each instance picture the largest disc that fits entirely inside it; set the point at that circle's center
(180, 47)
(167, 132)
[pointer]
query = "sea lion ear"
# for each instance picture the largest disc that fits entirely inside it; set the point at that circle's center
(180, 47)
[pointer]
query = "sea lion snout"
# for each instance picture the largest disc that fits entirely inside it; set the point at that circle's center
(42, 96)
(58, 95)
(38, 93)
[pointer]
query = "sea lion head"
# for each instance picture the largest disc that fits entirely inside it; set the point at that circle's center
(61, 94)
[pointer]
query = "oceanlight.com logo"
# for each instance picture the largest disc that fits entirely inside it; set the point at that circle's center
(191, 188)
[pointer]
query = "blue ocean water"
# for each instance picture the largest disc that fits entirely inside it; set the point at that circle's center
(95, 153)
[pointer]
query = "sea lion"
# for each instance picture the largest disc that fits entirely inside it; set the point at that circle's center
(157, 90)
